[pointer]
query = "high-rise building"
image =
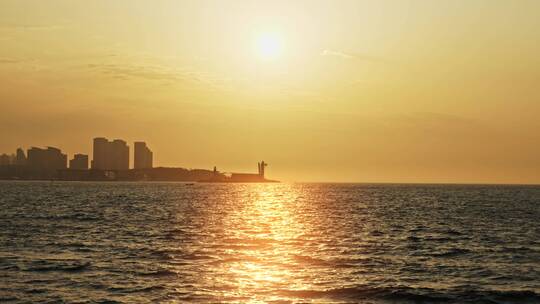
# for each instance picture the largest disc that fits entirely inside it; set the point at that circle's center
(46, 159)
(5, 160)
(79, 162)
(110, 155)
(100, 153)
(20, 159)
(143, 156)
(120, 152)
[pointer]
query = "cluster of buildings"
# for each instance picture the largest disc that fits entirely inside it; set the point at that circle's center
(18, 159)
(107, 156)
(110, 162)
(47, 159)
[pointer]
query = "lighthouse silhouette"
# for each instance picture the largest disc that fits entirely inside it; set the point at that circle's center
(261, 166)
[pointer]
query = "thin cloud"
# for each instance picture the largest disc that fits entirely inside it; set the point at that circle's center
(336, 54)
(134, 71)
(442, 121)
(156, 73)
(9, 32)
(9, 60)
(31, 27)
(351, 56)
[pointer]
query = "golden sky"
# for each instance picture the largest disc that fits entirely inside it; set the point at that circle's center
(356, 91)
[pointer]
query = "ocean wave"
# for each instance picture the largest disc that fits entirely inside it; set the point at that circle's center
(136, 289)
(417, 295)
(47, 266)
(82, 217)
(451, 252)
(365, 292)
(525, 295)
(159, 273)
(8, 299)
(236, 259)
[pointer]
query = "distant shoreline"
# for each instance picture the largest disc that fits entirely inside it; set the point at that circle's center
(272, 182)
(150, 174)
(138, 181)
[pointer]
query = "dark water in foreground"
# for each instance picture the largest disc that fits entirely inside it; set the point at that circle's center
(282, 243)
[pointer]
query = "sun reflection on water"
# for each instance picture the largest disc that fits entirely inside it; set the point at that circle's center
(267, 232)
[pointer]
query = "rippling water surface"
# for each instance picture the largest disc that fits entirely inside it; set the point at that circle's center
(282, 243)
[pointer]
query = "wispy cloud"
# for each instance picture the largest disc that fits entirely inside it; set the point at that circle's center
(351, 56)
(9, 32)
(31, 27)
(134, 71)
(148, 72)
(26, 61)
(438, 121)
(4, 60)
(336, 54)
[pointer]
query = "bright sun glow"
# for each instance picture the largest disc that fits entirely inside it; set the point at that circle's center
(269, 46)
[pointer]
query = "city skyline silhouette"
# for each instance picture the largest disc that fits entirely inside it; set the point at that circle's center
(110, 161)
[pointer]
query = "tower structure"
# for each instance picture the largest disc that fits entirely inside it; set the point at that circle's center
(261, 166)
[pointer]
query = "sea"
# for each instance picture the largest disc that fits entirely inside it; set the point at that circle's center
(146, 242)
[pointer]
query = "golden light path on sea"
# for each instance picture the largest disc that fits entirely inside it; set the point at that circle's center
(267, 223)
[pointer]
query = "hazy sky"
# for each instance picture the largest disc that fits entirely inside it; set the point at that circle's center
(366, 91)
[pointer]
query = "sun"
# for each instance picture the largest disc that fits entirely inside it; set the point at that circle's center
(269, 46)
